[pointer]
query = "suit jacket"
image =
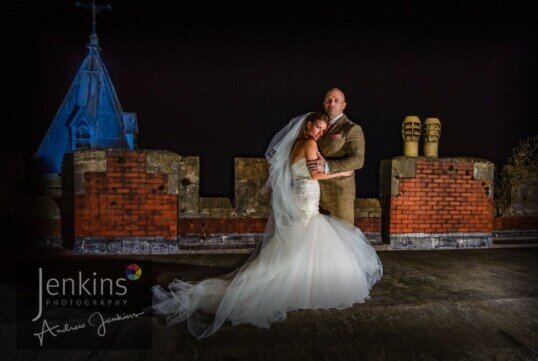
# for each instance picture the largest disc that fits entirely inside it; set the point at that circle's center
(343, 148)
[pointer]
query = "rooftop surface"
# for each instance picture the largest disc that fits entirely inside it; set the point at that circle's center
(476, 304)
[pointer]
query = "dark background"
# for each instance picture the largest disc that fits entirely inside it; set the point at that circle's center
(218, 79)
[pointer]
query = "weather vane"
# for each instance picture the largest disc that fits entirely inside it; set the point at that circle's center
(95, 10)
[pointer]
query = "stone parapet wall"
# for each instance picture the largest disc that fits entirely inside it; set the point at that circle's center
(133, 201)
(434, 203)
(249, 211)
(251, 195)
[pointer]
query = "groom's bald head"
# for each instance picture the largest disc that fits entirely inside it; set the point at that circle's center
(334, 102)
(335, 91)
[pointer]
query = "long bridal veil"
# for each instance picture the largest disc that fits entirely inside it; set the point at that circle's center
(206, 305)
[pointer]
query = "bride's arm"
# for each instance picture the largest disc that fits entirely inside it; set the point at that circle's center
(311, 153)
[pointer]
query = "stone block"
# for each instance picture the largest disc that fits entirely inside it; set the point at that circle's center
(440, 240)
(165, 162)
(216, 208)
(222, 242)
(367, 207)
(391, 170)
(87, 160)
(252, 196)
(189, 185)
(484, 170)
(404, 167)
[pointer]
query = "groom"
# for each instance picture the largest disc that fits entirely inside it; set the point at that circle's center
(342, 147)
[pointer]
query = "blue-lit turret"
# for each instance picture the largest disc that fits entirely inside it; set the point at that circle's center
(90, 116)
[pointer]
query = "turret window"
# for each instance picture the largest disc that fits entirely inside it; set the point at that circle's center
(82, 138)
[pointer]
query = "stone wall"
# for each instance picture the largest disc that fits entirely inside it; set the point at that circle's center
(219, 223)
(148, 202)
(437, 203)
(216, 222)
(251, 199)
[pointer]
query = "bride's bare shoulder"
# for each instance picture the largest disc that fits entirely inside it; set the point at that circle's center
(299, 149)
(300, 144)
(310, 143)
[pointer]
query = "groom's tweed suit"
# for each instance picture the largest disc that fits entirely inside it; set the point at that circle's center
(343, 148)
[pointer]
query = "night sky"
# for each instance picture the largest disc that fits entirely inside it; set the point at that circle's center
(219, 79)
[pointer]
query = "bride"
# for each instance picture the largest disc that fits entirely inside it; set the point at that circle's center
(306, 260)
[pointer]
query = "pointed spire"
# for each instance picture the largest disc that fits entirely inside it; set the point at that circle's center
(94, 43)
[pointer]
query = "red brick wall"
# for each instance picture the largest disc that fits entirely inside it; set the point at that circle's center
(207, 226)
(369, 224)
(125, 201)
(443, 197)
(515, 223)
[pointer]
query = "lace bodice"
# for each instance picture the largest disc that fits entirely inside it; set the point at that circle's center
(299, 170)
(305, 189)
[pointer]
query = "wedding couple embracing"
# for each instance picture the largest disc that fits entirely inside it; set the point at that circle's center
(311, 256)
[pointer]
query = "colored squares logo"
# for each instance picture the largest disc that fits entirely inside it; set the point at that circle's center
(133, 272)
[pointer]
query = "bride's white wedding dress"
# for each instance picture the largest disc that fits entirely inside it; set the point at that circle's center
(310, 262)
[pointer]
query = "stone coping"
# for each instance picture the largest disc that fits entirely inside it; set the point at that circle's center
(440, 240)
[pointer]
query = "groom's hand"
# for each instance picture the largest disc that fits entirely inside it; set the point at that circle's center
(316, 165)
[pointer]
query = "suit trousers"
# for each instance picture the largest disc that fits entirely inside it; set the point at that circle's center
(343, 208)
